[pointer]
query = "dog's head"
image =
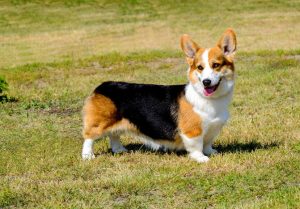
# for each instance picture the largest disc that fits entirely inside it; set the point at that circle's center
(211, 70)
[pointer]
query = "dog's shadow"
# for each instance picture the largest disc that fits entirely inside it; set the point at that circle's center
(245, 147)
(235, 147)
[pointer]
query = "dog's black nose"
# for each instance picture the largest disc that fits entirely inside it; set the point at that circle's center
(206, 82)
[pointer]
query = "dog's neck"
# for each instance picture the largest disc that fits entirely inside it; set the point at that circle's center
(202, 103)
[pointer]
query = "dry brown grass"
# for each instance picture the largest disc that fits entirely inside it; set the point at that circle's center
(88, 34)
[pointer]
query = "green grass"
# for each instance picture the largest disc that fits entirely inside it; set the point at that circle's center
(40, 129)
(40, 141)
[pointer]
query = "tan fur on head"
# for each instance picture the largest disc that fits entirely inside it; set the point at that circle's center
(227, 43)
(221, 54)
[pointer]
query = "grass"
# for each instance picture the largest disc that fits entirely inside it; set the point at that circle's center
(40, 138)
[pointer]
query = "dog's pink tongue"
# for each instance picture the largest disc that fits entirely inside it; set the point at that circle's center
(209, 91)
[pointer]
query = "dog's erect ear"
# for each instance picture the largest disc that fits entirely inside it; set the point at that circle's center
(227, 43)
(188, 46)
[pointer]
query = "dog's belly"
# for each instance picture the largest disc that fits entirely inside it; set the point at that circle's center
(156, 144)
(162, 144)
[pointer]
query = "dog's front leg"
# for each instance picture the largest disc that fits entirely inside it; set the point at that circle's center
(194, 145)
(212, 133)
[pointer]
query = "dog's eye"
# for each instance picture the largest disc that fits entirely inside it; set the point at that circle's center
(215, 65)
(200, 67)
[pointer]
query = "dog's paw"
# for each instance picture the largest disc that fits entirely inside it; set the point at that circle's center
(210, 151)
(118, 149)
(202, 159)
(199, 157)
(88, 156)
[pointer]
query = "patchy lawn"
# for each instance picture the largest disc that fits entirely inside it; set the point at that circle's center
(54, 54)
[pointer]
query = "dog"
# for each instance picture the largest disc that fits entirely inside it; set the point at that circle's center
(177, 117)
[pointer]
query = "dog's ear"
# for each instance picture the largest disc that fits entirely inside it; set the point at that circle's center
(227, 43)
(189, 47)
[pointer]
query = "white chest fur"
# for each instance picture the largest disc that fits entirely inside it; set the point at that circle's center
(212, 111)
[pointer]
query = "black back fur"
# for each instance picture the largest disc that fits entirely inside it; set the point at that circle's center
(151, 108)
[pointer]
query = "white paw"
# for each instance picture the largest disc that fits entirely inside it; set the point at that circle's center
(88, 156)
(210, 151)
(119, 149)
(87, 150)
(202, 159)
(199, 157)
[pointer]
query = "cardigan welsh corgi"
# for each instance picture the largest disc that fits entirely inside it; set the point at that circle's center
(177, 117)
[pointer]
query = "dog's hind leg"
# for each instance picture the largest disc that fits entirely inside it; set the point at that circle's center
(90, 134)
(87, 149)
(99, 114)
(115, 143)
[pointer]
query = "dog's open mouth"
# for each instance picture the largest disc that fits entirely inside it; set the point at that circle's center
(209, 90)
